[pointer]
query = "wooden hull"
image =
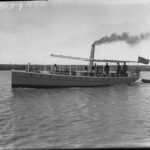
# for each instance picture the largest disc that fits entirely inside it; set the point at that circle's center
(40, 80)
(145, 80)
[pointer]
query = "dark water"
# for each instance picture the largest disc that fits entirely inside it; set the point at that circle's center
(74, 117)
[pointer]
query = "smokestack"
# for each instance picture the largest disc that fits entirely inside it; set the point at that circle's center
(92, 54)
(92, 51)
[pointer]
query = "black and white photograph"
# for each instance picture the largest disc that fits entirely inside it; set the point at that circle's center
(74, 74)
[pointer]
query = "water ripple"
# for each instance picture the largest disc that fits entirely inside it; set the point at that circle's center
(73, 117)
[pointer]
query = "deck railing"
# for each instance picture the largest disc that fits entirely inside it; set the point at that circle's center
(82, 71)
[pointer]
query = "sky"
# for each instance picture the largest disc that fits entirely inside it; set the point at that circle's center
(30, 31)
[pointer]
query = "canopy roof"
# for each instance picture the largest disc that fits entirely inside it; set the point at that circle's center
(92, 59)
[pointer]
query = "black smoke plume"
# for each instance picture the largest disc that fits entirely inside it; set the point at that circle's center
(131, 40)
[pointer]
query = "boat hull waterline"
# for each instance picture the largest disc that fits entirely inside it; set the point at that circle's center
(40, 80)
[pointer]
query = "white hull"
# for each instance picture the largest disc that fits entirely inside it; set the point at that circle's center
(40, 80)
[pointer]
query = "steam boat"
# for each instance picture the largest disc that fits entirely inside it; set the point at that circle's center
(91, 76)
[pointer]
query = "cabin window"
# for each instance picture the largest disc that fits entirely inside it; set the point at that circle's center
(30, 74)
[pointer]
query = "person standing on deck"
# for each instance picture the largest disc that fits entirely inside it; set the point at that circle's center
(54, 68)
(107, 70)
(95, 69)
(124, 69)
(118, 72)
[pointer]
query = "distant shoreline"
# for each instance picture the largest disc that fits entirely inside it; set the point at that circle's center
(42, 67)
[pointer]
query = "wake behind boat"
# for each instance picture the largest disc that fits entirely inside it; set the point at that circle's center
(89, 76)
